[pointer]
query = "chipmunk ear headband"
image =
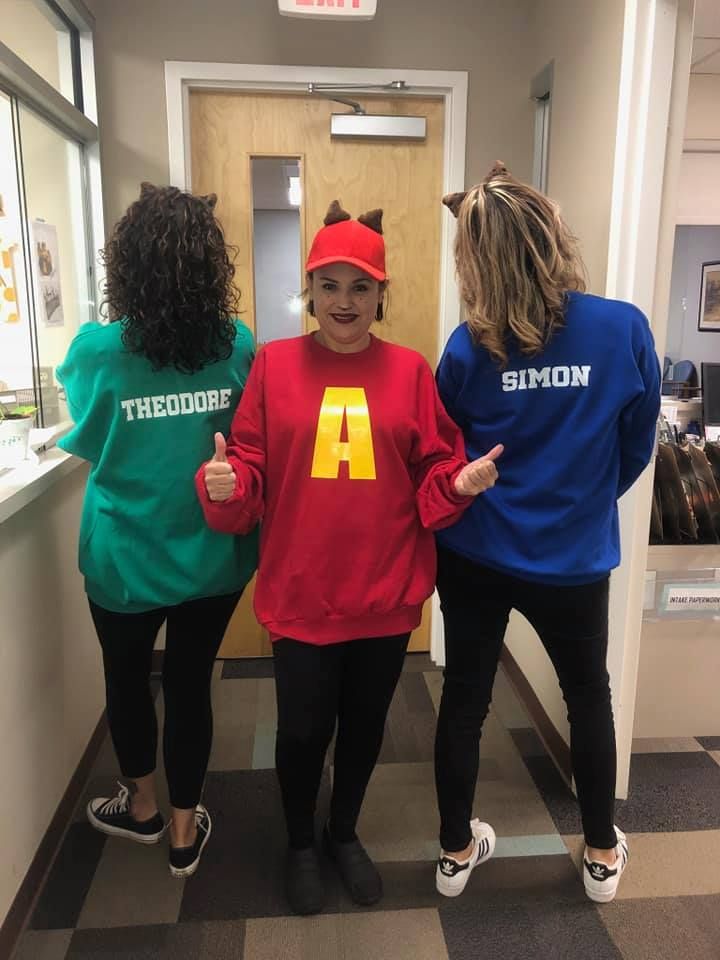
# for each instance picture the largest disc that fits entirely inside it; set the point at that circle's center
(453, 201)
(344, 240)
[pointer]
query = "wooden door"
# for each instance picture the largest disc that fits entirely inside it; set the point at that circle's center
(228, 129)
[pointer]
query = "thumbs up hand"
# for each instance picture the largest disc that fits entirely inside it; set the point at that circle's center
(219, 475)
(479, 475)
(220, 449)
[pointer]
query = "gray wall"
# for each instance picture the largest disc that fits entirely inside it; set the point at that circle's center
(277, 273)
(583, 39)
(490, 40)
(693, 247)
(51, 688)
(501, 46)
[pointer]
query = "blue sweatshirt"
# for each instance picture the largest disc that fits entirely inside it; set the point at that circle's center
(578, 423)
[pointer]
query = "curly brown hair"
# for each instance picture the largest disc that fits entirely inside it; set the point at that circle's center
(170, 280)
(516, 260)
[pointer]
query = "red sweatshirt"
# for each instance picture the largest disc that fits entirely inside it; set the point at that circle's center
(348, 459)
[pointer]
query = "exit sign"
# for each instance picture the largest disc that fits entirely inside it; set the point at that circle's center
(329, 9)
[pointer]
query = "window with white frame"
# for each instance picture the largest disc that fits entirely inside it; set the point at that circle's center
(44, 38)
(50, 202)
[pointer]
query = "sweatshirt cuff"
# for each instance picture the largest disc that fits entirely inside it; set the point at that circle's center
(224, 516)
(454, 496)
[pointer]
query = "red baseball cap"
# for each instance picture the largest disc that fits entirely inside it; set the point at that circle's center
(349, 242)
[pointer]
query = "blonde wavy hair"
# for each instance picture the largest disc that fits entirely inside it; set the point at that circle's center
(516, 259)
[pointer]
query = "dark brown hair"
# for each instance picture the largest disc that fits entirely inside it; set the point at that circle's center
(170, 280)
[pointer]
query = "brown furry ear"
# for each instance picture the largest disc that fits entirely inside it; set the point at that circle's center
(498, 169)
(372, 219)
(211, 200)
(335, 214)
(453, 201)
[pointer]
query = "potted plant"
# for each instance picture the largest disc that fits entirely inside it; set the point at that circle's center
(15, 425)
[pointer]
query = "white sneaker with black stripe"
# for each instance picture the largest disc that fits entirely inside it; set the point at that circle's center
(452, 875)
(602, 881)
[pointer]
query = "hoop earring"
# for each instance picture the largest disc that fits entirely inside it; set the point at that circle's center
(380, 314)
(311, 307)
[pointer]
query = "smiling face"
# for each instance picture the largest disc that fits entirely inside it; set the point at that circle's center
(346, 303)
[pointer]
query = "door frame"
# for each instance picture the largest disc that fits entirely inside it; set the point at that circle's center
(654, 80)
(181, 77)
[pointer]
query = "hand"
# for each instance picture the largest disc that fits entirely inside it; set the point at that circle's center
(219, 475)
(479, 475)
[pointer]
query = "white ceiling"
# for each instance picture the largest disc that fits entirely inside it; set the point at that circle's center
(706, 46)
(270, 182)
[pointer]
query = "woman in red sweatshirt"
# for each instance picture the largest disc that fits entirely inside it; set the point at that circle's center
(343, 450)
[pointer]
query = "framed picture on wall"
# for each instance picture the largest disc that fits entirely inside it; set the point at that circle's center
(47, 268)
(709, 317)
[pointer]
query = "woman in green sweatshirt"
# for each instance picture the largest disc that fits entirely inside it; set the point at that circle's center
(145, 393)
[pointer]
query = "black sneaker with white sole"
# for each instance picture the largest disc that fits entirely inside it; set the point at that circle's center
(184, 861)
(602, 881)
(113, 816)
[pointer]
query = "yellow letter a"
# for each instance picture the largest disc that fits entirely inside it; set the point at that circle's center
(330, 449)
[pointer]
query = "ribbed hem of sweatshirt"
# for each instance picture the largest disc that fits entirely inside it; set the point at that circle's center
(115, 605)
(551, 579)
(331, 630)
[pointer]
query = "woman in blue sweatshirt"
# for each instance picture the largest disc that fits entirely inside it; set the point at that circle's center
(570, 384)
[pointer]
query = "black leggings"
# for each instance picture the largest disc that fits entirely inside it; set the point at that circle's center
(572, 623)
(352, 683)
(194, 633)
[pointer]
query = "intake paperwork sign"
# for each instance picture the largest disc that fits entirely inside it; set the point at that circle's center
(692, 598)
(329, 9)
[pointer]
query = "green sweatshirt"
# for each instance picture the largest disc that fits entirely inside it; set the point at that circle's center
(144, 542)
